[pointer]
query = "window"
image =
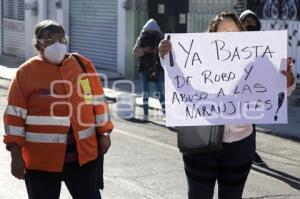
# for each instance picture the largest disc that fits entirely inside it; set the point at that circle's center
(13, 9)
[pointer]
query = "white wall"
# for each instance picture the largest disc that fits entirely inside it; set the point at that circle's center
(30, 22)
(63, 14)
(121, 37)
(42, 10)
(1, 27)
(62, 17)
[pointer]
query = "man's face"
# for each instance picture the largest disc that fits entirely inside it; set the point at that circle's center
(48, 39)
(249, 23)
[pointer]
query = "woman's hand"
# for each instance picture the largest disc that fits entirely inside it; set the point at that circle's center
(148, 50)
(17, 162)
(104, 143)
(289, 74)
(139, 52)
(164, 48)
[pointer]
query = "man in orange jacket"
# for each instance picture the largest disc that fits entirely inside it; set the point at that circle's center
(57, 120)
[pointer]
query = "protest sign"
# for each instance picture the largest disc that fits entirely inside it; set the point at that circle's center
(226, 78)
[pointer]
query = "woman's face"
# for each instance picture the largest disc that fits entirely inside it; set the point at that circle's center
(227, 25)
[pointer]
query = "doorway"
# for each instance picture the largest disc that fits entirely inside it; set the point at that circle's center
(171, 15)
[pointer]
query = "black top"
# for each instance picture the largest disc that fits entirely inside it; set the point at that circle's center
(150, 60)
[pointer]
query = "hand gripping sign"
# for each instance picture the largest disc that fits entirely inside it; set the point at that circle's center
(226, 78)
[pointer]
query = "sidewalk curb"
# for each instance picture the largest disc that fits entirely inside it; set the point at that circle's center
(278, 134)
(111, 95)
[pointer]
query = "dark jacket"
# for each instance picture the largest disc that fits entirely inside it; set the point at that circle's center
(150, 36)
(150, 61)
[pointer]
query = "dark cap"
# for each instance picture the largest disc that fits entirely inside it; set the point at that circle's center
(248, 13)
(49, 27)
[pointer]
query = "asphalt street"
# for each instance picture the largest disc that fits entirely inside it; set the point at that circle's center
(144, 163)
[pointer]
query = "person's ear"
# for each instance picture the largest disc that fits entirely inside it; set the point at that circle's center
(38, 47)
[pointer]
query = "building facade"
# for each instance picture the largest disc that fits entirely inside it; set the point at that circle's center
(95, 28)
(282, 15)
(106, 30)
(172, 16)
(12, 28)
(194, 15)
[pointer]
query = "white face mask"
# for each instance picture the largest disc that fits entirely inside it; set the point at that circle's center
(56, 52)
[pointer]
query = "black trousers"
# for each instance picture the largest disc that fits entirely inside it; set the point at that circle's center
(229, 167)
(99, 178)
(80, 181)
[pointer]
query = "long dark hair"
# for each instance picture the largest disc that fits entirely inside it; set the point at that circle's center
(214, 23)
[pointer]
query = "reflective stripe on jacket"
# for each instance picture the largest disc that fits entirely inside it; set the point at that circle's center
(44, 101)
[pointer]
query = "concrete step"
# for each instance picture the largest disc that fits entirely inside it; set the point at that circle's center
(110, 75)
(112, 95)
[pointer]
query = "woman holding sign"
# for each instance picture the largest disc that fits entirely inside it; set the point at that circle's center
(231, 165)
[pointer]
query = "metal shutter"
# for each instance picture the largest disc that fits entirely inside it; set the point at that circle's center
(13, 35)
(93, 31)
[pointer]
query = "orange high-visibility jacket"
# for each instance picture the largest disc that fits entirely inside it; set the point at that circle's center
(45, 101)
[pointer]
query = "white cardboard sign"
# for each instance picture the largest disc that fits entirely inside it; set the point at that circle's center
(226, 78)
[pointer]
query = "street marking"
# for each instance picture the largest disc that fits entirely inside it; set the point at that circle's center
(146, 139)
(134, 188)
